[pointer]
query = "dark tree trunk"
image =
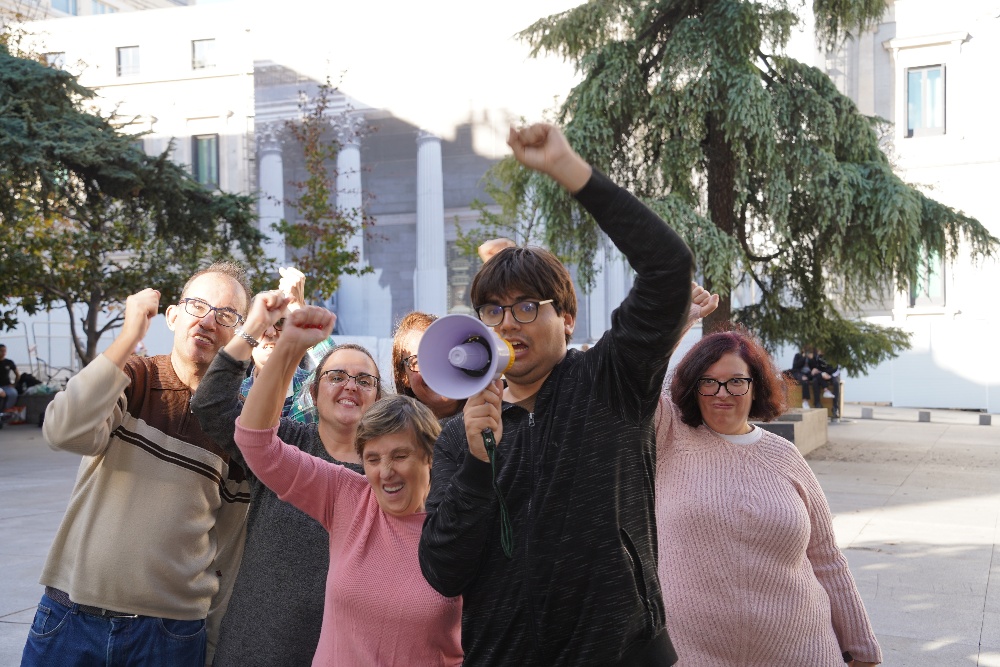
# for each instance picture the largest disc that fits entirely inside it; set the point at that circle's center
(721, 205)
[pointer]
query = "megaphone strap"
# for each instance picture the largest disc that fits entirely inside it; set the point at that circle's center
(506, 530)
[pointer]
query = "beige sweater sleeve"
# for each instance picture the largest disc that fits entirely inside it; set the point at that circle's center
(82, 418)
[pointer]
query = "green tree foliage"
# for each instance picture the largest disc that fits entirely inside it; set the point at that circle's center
(772, 175)
(322, 233)
(511, 186)
(88, 218)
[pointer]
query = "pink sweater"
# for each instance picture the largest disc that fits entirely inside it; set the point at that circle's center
(379, 609)
(749, 566)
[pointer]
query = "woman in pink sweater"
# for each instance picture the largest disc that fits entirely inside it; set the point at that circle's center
(379, 609)
(748, 561)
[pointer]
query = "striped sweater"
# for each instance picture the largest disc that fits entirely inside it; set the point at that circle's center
(155, 522)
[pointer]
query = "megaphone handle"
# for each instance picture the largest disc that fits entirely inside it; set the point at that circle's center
(506, 530)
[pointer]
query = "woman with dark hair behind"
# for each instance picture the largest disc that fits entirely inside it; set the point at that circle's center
(748, 561)
(406, 366)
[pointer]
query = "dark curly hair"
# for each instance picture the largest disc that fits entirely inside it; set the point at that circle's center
(769, 393)
(532, 272)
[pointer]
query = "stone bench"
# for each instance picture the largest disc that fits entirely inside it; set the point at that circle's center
(806, 429)
(794, 393)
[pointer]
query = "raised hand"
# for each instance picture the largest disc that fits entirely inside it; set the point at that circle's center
(140, 309)
(266, 309)
(703, 303)
(544, 148)
(293, 285)
(306, 327)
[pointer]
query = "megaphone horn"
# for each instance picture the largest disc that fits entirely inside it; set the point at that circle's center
(460, 356)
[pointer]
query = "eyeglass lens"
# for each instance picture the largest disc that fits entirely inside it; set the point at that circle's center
(735, 386)
(363, 380)
(227, 317)
(524, 312)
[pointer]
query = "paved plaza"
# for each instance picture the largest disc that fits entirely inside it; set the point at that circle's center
(916, 505)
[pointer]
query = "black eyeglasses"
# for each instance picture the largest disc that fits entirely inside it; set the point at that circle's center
(364, 381)
(411, 363)
(525, 312)
(735, 386)
(226, 317)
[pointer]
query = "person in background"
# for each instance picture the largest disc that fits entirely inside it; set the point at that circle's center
(748, 560)
(551, 543)
(802, 373)
(293, 285)
(488, 249)
(8, 378)
(406, 367)
(276, 608)
(825, 375)
(379, 610)
(150, 542)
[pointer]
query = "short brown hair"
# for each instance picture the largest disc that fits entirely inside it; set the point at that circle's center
(397, 413)
(769, 393)
(234, 271)
(532, 271)
(414, 321)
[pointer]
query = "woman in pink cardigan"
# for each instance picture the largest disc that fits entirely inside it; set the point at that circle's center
(749, 566)
(379, 610)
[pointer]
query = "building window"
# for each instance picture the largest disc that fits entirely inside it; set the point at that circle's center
(98, 7)
(202, 53)
(65, 6)
(56, 59)
(128, 60)
(205, 165)
(928, 289)
(925, 101)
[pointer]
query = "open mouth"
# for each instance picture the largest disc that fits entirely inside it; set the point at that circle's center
(395, 488)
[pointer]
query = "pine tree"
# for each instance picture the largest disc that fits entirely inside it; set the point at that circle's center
(773, 177)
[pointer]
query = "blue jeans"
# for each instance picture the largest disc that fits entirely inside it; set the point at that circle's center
(62, 635)
(10, 399)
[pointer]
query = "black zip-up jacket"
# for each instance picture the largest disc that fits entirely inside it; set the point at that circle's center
(577, 475)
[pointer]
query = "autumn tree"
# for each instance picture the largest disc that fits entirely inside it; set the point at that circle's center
(322, 230)
(773, 177)
(88, 218)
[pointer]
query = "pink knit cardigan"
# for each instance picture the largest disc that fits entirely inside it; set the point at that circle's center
(748, 562)
(379, 610)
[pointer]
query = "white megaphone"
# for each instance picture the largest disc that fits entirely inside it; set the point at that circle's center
(459, 356)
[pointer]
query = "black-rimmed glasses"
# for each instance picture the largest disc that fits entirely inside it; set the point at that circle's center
(525, 312)
(411, 363)
(735, 386)
(337, 376)
(226, 317)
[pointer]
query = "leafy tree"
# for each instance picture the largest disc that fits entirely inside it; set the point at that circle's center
(323, 231)
(511, 186)
(89, 218)
(771, 174)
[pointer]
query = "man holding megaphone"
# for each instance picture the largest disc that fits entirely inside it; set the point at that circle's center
(549, 535)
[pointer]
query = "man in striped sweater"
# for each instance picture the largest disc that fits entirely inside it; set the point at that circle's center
(155, 523)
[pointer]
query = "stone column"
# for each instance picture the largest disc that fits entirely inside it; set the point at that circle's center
(271, 202)
(364, 308)
(430, 279)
